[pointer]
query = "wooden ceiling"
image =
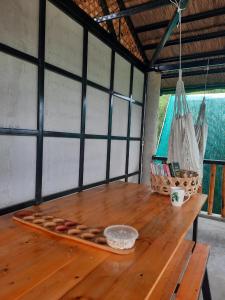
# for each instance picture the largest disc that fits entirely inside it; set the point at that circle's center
(203, 34)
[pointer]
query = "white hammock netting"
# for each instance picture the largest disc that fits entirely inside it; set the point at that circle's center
(183, 145)
(187, 142)
(201, 132)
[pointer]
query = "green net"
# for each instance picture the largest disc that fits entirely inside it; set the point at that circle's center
(215, 148)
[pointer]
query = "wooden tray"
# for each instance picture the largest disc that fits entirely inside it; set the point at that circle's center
(72, 230)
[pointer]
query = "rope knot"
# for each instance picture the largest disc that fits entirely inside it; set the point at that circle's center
(179, 9)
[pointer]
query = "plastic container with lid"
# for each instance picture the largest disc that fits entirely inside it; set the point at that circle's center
(121, 236)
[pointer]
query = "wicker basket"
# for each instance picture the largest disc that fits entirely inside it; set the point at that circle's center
(189, 181)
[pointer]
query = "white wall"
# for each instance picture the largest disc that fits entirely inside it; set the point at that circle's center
(17, 169)
(62, 106)
(64, 41)
(19, 24)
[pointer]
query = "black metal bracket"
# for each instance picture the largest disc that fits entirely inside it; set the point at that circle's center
(133, 10)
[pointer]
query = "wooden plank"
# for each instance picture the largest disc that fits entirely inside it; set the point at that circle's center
(56, 285)
(30, 261)
(137, 278)
(211, 188)
(223, 193)
(191, 283)
(166, 286)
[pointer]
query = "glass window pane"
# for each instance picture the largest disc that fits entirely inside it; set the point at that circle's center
(95, 160)
(136, 116)
(64, 40)
(118, 158)
(19, 24)
(60, 164)
(18, 169)
(97, 108)
(18, 86)
(62, 103)
(122, 76)
(119, 117)
(138, 85)
(99, 61)
(134, 156)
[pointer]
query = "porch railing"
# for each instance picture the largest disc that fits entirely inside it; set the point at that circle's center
(214, 164)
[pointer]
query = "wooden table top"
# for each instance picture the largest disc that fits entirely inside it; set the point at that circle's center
(34, 265)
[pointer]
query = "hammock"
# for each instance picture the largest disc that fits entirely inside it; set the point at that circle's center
(201, 127)
(183, 146)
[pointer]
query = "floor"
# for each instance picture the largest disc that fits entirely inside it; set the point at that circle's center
(213, 233)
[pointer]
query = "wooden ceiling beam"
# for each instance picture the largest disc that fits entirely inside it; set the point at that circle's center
(187, 19)
(173, 23)
(194, 73)
(188, 39)
(133, 10)
(199, 55)
(193, 64)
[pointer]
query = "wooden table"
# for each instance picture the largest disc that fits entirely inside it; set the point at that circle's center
(34, 265)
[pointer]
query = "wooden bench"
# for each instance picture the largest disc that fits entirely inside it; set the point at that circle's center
(185, 274)
(195, 276)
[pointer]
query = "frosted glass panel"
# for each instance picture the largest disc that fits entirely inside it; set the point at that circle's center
(64, 40)
(122, 75)
(18, 169)
(62, 103)
(134, 156)
(99, 61)
(60, 164)
(19, 24)
(138, 85)
(118, 158)
(95, 160)
(119, 117)
(136, 116)
(97, 111)
(18, 97)
(133, 179)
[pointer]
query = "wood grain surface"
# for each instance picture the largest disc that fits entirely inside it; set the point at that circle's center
(35, 266)
(193, 277)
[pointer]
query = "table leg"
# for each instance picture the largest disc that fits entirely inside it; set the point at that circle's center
(195, 230)
(206, 288)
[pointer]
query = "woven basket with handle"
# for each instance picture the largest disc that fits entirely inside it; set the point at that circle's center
(188, 180)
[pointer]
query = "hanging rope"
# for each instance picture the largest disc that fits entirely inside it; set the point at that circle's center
(183, 147)
(179, 11)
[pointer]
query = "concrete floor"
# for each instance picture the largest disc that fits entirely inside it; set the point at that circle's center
(213, 233)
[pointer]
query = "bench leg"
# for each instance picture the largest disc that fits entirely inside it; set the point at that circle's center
(206, 288)
(195, 230)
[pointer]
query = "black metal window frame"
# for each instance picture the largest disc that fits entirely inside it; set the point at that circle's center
(40, 133)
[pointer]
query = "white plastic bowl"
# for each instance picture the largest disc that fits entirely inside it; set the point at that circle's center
(121, 236)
